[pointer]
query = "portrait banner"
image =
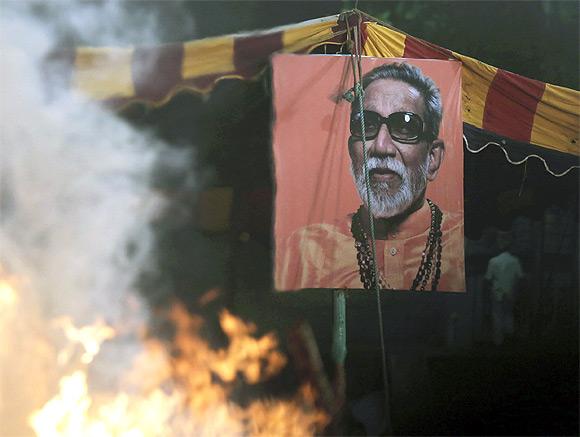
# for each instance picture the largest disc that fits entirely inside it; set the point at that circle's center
(393, 166)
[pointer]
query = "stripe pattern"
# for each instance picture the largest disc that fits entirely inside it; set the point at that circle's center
(495, 100)
(154, 74)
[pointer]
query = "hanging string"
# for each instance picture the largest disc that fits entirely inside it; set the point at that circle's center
(356, 59)
(492, 143)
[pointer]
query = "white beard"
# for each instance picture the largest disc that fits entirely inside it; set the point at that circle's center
(383, 204)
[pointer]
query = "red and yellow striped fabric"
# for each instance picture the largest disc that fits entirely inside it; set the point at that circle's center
(494, 100)
(155, 74)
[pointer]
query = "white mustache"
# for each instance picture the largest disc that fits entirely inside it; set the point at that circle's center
(382, 203)
(390, 164)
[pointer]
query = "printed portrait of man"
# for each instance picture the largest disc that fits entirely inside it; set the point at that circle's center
(418, 243)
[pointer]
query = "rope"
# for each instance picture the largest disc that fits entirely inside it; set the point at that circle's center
(359, 92)
(493, 143)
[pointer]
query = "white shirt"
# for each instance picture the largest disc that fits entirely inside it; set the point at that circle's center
(503, 271)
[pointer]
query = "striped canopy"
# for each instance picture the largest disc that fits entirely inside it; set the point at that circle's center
(524, 117)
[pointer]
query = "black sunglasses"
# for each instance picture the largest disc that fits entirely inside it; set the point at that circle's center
(404, 127)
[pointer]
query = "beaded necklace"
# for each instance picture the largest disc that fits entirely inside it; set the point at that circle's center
(430, 257)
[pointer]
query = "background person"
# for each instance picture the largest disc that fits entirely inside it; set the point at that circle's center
(503, 279)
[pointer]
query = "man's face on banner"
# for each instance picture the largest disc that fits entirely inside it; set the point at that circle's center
(398, 170)
(325, 242)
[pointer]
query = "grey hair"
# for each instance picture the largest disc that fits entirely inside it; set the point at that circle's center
(413, 76)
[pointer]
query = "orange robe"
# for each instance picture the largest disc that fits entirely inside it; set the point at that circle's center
(324, 256)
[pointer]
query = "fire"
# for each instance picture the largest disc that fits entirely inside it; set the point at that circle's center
(8, 295)
(255, 359)
(69, 407)
(181, 389)
(89, 337)
(70, 413)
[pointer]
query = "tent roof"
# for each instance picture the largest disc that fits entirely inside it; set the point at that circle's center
(499, 107)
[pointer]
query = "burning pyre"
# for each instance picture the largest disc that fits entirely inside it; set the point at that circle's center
(180, 388)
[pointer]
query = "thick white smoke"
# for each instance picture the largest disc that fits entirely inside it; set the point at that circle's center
(75, 189)
(75, 213)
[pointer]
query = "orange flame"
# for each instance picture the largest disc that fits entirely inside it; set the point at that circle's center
(88, 337)
(26, 355)
(8, 297)
(184, 392)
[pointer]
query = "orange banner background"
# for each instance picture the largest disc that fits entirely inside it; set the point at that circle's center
(310, 133)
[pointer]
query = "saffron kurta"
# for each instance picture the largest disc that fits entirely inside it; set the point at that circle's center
(324, 256)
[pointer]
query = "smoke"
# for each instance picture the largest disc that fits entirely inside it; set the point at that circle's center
(112, 22)
(76, 203)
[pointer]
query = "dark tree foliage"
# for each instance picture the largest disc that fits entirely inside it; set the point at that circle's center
(537, 39)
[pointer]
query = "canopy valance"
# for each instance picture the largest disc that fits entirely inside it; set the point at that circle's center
(524, 117)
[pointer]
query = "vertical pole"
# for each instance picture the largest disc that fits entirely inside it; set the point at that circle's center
(339, 334)
(339, 357)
